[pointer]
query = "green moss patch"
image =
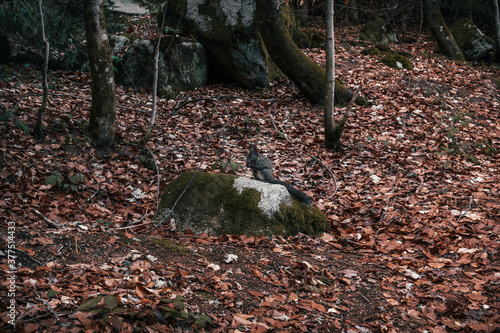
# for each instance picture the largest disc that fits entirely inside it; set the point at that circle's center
(372, 51)
(169, 245)
(397, 60)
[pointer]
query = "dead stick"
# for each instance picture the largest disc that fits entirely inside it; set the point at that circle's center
(76, 245)
(45, 219)
(54, 313)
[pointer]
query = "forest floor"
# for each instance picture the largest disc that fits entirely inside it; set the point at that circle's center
(413, 207)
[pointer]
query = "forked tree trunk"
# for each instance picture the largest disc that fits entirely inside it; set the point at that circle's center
(440, 31)
(103, 112)
(333, 130)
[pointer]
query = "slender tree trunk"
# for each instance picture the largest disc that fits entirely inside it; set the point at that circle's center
(333, 130)
(41, 110)
(497, 30)
(421, 20)
(149, 132)
(354, 11)
(145, 139)
(403, 18)
(304, 12)
(440, 31)
(103, 112)
(330, 138)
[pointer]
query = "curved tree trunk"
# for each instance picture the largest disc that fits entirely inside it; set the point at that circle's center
(440, 31)
(303, 71)
(103, 112)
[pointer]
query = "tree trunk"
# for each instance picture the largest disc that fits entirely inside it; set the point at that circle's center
(304, 12)
(440, 31)
(303, 71)
(38, 126)
(354, 11)
(331, 140)
(103, 112)
(497, 31)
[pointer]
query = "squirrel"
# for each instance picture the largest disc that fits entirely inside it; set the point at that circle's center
(262, 168)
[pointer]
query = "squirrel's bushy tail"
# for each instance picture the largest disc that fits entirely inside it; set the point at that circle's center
(299, 195)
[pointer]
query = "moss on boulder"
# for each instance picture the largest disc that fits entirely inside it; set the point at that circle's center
(379, 31)
(228, 30)
(397, 61)
(229, 204)
(182, 66)
(474, 44)
(372, 51)
(6, 72)
(309, 38)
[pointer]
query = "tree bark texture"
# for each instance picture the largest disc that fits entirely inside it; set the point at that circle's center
(303, 71)
(330, 138)
(497, 30)
(103, 111)
(440, 31)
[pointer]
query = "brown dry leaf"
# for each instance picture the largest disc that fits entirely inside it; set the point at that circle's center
(256, 272)
(242, 319)
(318, 307)
(392, 301)
(293, 297)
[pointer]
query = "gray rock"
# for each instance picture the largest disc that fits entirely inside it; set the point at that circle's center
(117, 43)
(227, 204)
(379, 31)
(136, 68)
(182, 67)
(271, 195)
(128, 7)
(228, 30)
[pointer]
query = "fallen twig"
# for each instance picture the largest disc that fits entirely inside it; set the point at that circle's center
(45, 219)
(47, 305)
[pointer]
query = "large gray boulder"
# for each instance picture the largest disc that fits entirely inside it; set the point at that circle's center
(228, 204)
(181, 67)
(228, 30)
(117, 43)
(474, 44)
(379, 31)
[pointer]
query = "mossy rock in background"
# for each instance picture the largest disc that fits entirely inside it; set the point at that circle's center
(474, 44)
(397, 61)
(229, 32)
(228, 204)
(406, 54)
(372, 51)
(379, 31)
(309, 38)
(7, 73)
(182, 66)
